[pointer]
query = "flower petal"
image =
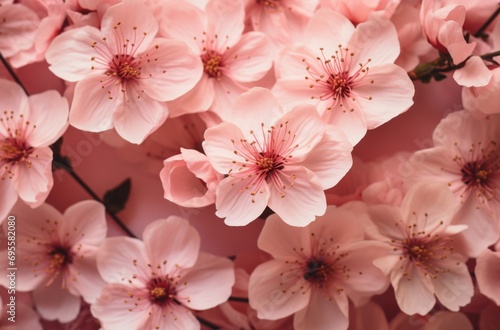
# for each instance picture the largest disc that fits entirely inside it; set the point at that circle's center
(84, 222)
(321, 314)
(487, 274)
(55, 303)
(225, 21)
(453, 288)
(179, 251)
(209, 282)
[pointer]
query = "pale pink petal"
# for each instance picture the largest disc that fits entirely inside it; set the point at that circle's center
(226, 21)
(431, 204)
(13, 98)
(174, 71)
(265, 291)
(331, 158)
(249, 59)
(92, 109)
(375, 40)
(291, 65)
(256, 107)
(29, 319)
(208, 283)
(84, 222)
(486, 98)
(321, 314)
(377, 104)
(8, 200)
(451, 36)
(198, 164)
(119, 258)
(453, 288)
(328, 25)
(388, 221)
(185, 22)
(449, 320)
(301, 203)
(18, 26)
(33, 183)
(487, 274)
(116, 310)
(352, 123)
(135, 118)
(70, 53)
(83, 277)
(412, 292)
(198, 99)
(49, 112)
(55, 303)
(474, 73)
(277, 238)
(365, 279)
(234, 200)
(219, 148)
(179, 251)
(177, 318)
(226, 92)
(291, 93)
(130, 20)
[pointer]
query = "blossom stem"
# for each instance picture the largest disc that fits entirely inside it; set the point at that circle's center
(89, 190)
(238, 299)
(483, 28)
(12, 73)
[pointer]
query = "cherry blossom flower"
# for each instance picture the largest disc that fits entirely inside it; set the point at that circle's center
(56, 259)
(466, 158)
(28, 125)
(123, 72)
(487, 274)
(316, 269)
(357, 11)
(276, 159)
(282, 20)
(189, 180)
(443, 29)
(352, 78)
(18, 26)
(154, 284)
(426, 260)
(230, 58)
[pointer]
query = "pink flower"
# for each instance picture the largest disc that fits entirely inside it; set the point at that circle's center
(154, 284)
(425, 262)
(443, 29)
(230, 58)
(316, 269)
(56, 258)
(18, 26)
(282, 20)
(487, 274)
(276, 159)
(189, 180)
(484, 98)
(357, 11)
(466, 158)
(28, 125)
(123, 72)
(351, 78)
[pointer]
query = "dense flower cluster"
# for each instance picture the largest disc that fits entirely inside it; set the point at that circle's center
(280, 160)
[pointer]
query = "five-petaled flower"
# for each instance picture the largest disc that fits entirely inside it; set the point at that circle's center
(123, 72)
(276, 159)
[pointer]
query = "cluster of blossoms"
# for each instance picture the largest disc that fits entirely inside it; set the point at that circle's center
(264, 114)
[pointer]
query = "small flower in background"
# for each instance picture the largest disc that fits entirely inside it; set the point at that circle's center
(231, 59)
(427, 259)
(123, 72)
(276, 159)
(28, 125)
(189, 179)
(56, 256)
(466, 157)
(347, 72)
(316, 269)
(154, 283)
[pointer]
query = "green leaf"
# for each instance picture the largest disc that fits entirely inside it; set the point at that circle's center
(58, 160)
(116, 198)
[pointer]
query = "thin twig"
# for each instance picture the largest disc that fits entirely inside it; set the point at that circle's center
(483, 28)
(13, 73)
